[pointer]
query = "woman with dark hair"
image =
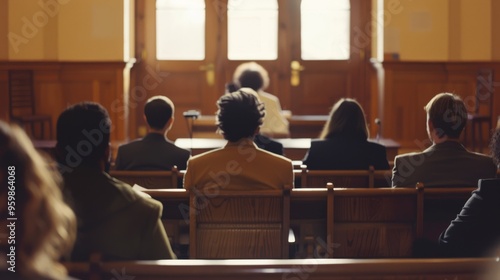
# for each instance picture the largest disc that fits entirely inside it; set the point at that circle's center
(343, 143)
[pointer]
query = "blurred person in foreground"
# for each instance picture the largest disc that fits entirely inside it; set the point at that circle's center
(45, 226)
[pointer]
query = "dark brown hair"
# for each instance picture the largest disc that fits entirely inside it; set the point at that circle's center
(347, 118)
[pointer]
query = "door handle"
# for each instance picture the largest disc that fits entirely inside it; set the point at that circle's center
(209, 73)
(295, 77)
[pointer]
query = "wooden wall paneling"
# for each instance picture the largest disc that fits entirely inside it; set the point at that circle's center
(60, 84)
(4, 95)
(408, 86)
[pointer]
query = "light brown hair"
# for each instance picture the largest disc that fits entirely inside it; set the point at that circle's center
(46, 226)
(346, 118)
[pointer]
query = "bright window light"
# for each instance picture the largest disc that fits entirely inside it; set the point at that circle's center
(252, 29)
(180, 29)
(325, 29)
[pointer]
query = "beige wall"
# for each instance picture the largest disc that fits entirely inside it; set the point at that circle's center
(418, 30)
(443, 30)
(65, 30)
(475, 41)
(91, 30)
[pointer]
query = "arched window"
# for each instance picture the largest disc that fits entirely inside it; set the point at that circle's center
(252, 29)
(325, 26)
(174, 20)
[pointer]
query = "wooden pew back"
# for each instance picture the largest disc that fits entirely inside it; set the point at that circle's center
(375, 223)
(378, 222)
(239, 224)
(339, 178)
(148, 179)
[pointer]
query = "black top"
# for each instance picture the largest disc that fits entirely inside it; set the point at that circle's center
(476, 230)
(345, 153)
(153, 152)
(268, 144)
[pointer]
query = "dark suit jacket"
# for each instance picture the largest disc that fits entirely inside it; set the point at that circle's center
(153, 152)
(268, 144)
(444, 164)
(114, 219)
(476, 230)
(344, 153)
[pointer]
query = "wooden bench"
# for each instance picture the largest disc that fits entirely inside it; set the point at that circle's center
(149, 179)
(310, 269)
(375, 223)
(362, 222)
(239, 224)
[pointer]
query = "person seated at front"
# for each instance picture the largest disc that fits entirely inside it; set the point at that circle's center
(154, 151)
(240, 164)
(476, 231)
(113, 219)
(253, 75)
(343, 143)
(446, 163)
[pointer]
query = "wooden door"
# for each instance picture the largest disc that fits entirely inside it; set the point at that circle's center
(198, 84)
(323, 82)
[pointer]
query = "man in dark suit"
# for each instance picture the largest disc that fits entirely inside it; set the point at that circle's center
(154, 151)
(446, 162)
(476, 230)
(112, 218)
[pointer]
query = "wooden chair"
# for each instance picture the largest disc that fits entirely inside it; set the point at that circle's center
(22, 103)
(339, 178)
(239, 224)
(375, 223)
(148, 179)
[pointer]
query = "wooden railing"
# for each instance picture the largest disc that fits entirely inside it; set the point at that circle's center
(311, 269)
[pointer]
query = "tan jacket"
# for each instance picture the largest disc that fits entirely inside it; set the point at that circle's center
(114, 220)
(239, 165)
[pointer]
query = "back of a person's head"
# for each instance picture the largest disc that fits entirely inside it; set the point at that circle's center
(83, 132)
(251, 79)
(158, 111)
(45, 227)
(240, 114)
(347, 118)
(447, 113)
(251, 75)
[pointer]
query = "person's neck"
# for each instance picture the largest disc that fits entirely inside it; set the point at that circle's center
(437, 140)
(158, 131)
